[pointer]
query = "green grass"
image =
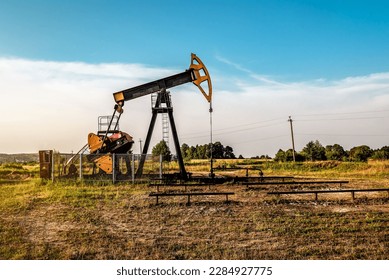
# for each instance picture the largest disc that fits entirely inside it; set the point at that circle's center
(36, 192)
(10, 172)
(30, 205)
(80, 220)
(333, 169)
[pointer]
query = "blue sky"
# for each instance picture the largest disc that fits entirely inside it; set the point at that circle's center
(290, 39)
(267, 59)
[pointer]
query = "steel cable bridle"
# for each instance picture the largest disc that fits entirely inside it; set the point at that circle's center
(210, 123)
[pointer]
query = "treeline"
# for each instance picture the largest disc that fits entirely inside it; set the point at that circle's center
(23, 158)
(195, 152)
(315, 151)
(204, 151)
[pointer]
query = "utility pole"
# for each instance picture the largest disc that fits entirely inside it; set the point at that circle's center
(140, 146)
(291, 131)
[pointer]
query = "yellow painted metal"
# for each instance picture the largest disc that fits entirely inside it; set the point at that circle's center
(105, 163)
(94, 142)
(119, 97)
(199, 68)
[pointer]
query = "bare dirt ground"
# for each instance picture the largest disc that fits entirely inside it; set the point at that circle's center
(253, 225)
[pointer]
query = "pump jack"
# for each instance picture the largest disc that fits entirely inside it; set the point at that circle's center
(197, 74)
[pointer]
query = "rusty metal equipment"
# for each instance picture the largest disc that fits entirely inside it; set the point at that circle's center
(197, 74)
(102, 146)
(45, 163)
(110, 140)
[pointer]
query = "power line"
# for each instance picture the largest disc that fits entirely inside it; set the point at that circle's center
(346, 135)
(232, 129)
(278, 121)
(347, 113)
(341, 119)
(254, 123)
(240, 125)
(262, 139)
(201, 135)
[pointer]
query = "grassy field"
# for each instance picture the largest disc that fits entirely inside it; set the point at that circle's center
(74, 220)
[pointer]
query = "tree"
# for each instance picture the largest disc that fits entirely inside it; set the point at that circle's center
(280, 156)
(162, 149)
(335, 152)
(217, 150)
(360, 153)
(201, 152)
(314, 151)
(204, 151)
(228, 152)
(289, 155)
(265, 157)
(381, 154)
(191, 153)
(185, 151)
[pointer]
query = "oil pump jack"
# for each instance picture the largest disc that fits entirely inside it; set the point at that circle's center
(103, 146)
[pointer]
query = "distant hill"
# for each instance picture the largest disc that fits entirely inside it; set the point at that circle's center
(5, 158)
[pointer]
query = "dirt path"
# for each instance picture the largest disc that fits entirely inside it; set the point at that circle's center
(253, 225)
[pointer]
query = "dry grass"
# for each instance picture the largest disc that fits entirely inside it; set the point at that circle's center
(78, 221)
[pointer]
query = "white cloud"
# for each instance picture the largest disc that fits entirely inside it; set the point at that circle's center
(54, 105)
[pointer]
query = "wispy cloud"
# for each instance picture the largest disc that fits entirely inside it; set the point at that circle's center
(255, 76)
(235, 65)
